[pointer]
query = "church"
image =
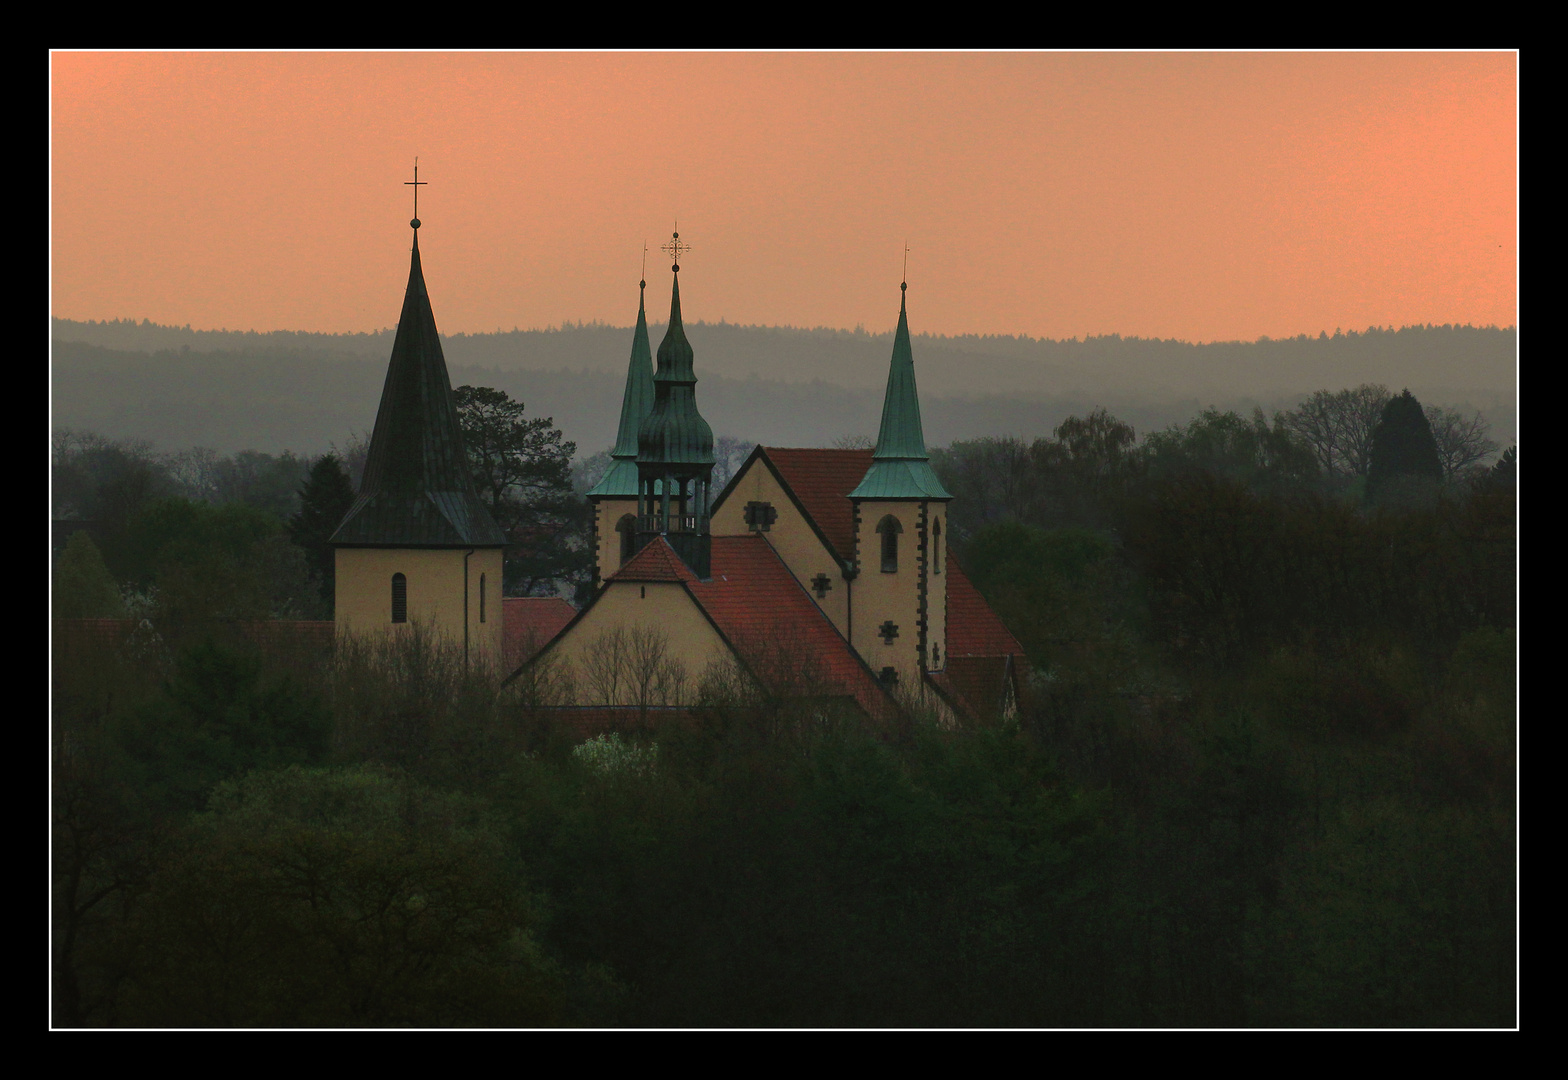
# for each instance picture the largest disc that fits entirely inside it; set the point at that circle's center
(830, 567)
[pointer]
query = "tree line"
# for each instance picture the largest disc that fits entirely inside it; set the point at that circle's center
(1262, 775)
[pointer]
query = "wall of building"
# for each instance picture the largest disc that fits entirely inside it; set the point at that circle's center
(896, 596)
(660, 609)
(791, 536)
(435, 593)
(608, 542)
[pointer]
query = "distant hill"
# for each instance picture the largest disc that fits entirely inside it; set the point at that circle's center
(234, 390)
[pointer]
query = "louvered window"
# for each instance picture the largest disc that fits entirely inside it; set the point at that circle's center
(399, 598)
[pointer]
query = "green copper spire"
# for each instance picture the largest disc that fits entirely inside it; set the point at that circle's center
(417, 490)
(675, 447)
(620, 479)
(900, 468)
(674, 432)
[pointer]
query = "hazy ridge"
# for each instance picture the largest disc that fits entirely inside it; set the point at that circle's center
(234, 390)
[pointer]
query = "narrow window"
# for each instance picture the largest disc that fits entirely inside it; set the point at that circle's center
(936, 548)
(481, 598)
(627, 527)
(889, 528)
(399, 598)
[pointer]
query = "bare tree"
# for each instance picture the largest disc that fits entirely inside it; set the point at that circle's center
(632, 665)
(1338, 427)
(854, 442)
(729, 454)
(1461, 439)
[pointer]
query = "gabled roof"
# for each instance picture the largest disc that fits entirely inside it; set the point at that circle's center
(821, 481)
(528, 622)
(773, 623)
(417, 490)
(657, 561)
(972, 627)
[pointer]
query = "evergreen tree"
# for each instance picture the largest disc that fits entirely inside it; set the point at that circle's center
(83, 586)
(1402, 445)
(323, 502)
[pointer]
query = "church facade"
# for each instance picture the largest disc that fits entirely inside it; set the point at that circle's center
(832, 562)
(827, 569)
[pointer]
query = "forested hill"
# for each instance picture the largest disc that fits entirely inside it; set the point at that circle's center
(234, 390)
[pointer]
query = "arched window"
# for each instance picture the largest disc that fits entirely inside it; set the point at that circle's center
(627, 527)
(481, 598)
(936, 548)
(399, 598)
(889, 528)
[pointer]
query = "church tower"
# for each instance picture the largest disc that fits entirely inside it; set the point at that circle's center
(900, 511)
(614, 497)
(417, 545)
(675, 447)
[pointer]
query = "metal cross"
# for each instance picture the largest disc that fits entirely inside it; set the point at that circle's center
(416, 183)
(906, 261)
(675, 248)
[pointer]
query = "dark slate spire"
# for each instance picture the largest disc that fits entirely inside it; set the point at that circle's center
(417, 490)
(674, 432)
(900, 468)
(620, 480)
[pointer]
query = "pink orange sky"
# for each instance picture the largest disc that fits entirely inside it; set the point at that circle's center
(1204, 196)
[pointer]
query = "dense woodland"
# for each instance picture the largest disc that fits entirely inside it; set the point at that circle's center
(1264, 774)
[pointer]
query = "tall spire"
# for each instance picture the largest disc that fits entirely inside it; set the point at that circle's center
(674, 432)
(900, 467)
(417, 489)
(675, 446)
(620, 479)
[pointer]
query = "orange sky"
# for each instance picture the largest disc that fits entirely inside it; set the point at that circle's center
(1199, 196)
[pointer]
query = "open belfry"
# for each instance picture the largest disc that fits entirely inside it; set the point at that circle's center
(834, 560)
(417, 546)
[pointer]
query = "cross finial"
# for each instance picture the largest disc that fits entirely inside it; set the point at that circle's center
(675, 248)
(416, 183)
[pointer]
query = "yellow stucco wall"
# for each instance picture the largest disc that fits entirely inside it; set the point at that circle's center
(435, 592)
(791, 536)
(664, 609)
(608, 542)
(881, 596)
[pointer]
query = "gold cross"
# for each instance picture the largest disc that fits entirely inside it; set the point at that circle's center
(416, 183)
(675, 248)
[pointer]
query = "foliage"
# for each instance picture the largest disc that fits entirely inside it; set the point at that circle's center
(1255, 453)
(323, 503)
(336, 898)
(1403, 449)
(611, 755)
(523, 470)
(1338, 425)
(83, 586)
(218, 716)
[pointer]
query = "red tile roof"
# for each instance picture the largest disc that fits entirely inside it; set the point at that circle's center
(822, 481)
(777, 628)
(655, 562)
(972, 627)
(982, 682)
(529, 623)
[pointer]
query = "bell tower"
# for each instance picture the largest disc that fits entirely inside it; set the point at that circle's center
(417, 545)
(900, 508)
(675, 446)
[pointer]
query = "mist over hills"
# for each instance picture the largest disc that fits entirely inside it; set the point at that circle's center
(234, 390)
